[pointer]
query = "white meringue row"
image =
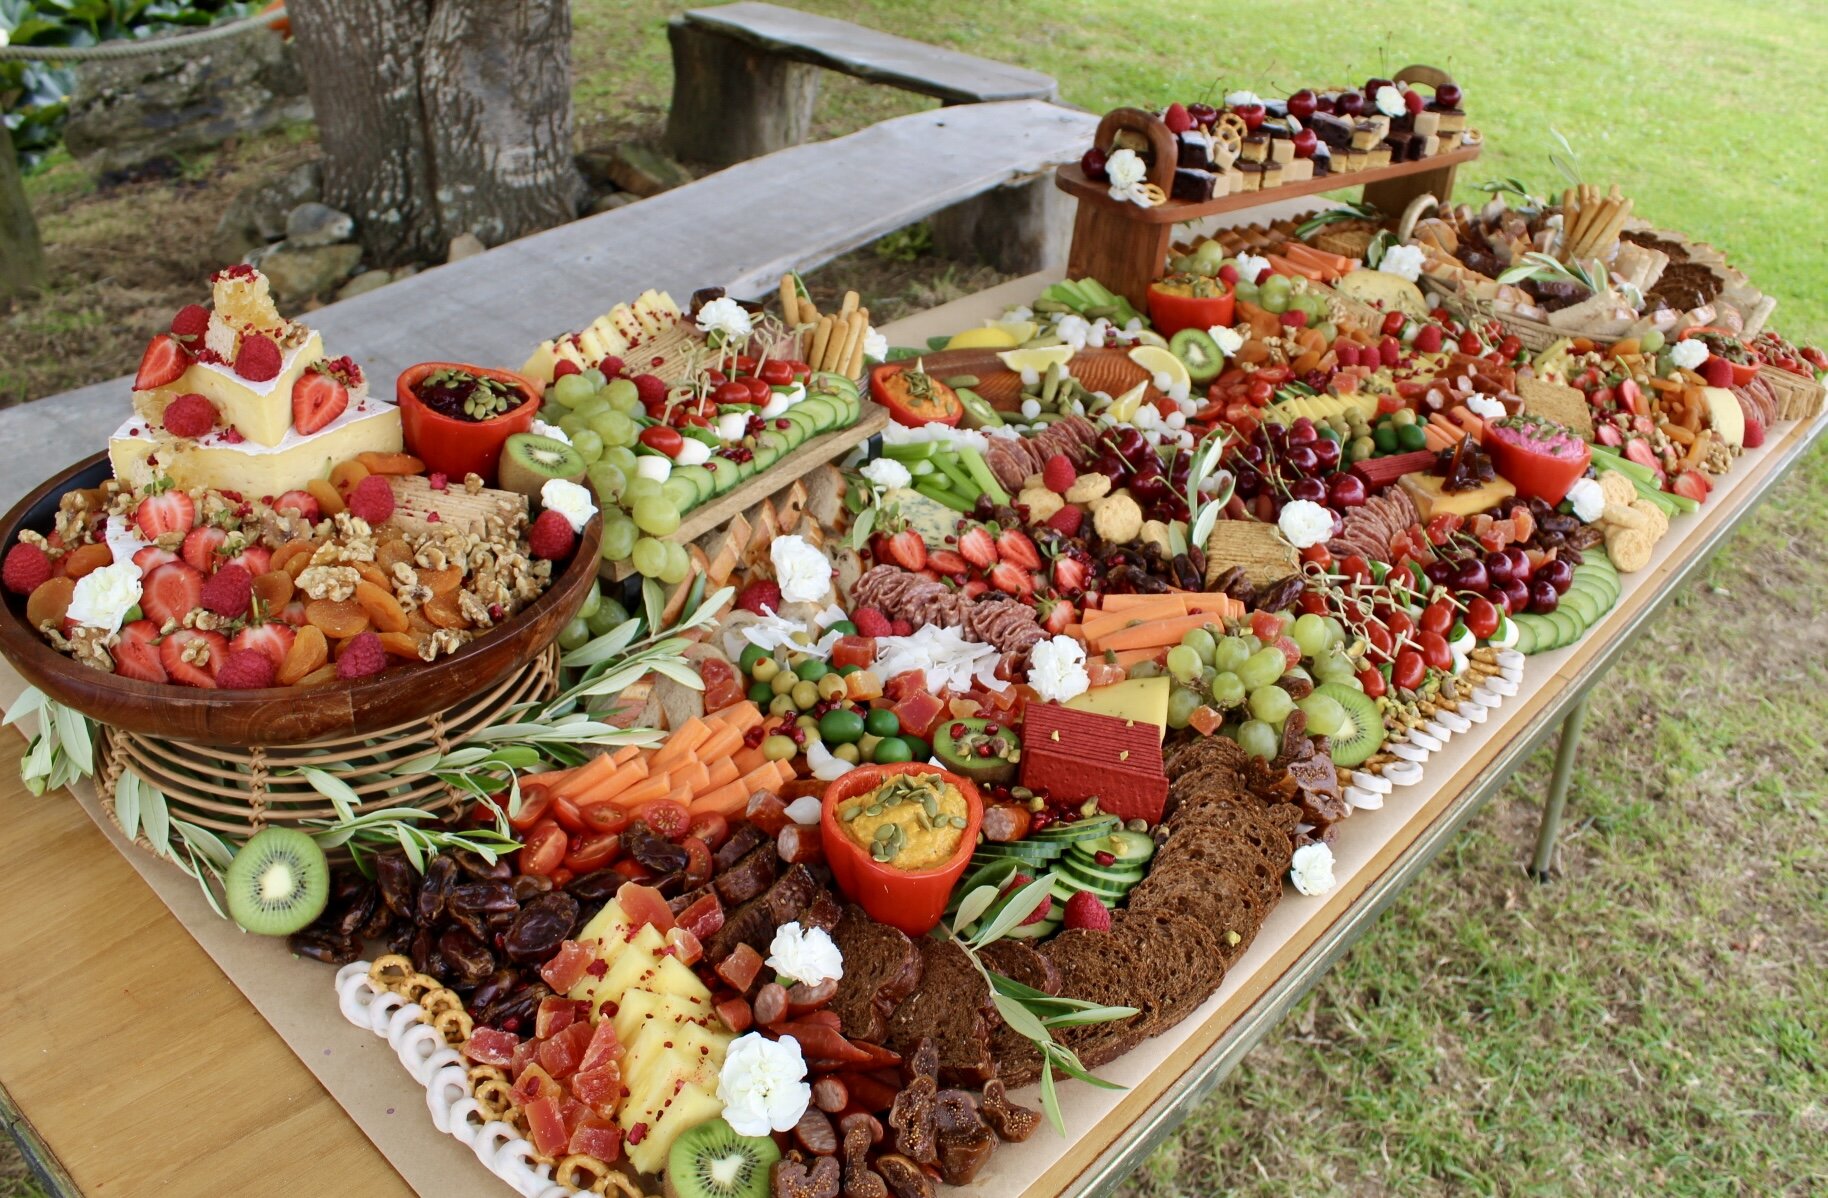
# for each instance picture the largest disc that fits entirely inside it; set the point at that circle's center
(498, 1145)
(1367, 789)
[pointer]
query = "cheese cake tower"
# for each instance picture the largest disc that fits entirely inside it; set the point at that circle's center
(237, 398)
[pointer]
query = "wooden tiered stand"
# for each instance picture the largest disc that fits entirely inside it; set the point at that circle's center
(1124, 246)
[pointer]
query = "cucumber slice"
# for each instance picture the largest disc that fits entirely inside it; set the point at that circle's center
(1039, 930)
(724, 474)
(1129, 848)
(1526, 633)
(1085, 829)
(1026, 850)
(1570, 627)
(824, 412)
(1100, 877)
(699, 477)
(1582, 605)
(682, 491)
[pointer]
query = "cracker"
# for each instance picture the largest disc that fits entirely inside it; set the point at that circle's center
(1617, 488)
(1566, 406)
(1629, 549)
(1258, 548)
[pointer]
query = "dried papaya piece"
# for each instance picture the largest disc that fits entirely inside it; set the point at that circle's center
(442, 582)
(329, 500)
(345, 475)
(337, 617)
(309, 651)
(391, 463)
(85, 560)
(274, 588)
(50, 602)
(384, 611)
(400, 644)
(443, 610)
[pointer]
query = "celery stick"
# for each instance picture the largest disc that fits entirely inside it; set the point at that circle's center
(919, 467)
(961, 481)
(914, 451)
(1683, 503)
(1617, 461)
(925, 487)
(980, 471)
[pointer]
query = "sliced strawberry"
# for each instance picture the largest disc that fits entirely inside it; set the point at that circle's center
(137, 654)
(1011, 579)
(186, 673)
(317, 399)
(200, 547)
(255, 559)
(907, 550)
(172, 511)
(1014, 547)
(947, 563)
(171, 592)
(1070, 574)
(293, 613)
(1691, 484)
(164, 361)
(151, 558)
(978, 547)
(302, 503)
(274, 640)
(1058, 615)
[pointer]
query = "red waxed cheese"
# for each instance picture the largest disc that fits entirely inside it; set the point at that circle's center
(1078, 755)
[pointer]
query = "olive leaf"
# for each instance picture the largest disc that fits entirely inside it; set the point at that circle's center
(1021, 905)
(1050, 1098)
(127, 804)
(974, 905)
(1020, 1018)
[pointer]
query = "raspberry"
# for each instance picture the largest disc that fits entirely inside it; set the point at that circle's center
(192, 321)
(189, 415)
(1067, 520)
(372, 500)
(27, 567)
(1041, 911)
(1058, 475)
(228, 591)
(245, 669)
(551, 536)
(761, 597)
(362, 658)
(901, 627)
(258, 359)
(650, 389)
(1084, 910)
(871, 622)
(566, 366)
(611, 366)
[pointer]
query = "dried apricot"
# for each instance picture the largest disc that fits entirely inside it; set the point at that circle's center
(372, 573)
(282, 556)
(416, 622)
(308, 652)
(49, 602)
(444, 611)
(337, 617)
(319, 676)
(274, 588)
(401, 644)
(391, 463)
(442, 582)
(345, 475)
(391, 553)
(329, 501)
(384, 611)
(84, 560)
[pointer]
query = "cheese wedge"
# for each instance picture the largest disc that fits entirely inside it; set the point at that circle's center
(139, 452)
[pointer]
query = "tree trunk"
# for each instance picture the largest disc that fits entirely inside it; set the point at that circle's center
(442, 117)
(21, 257)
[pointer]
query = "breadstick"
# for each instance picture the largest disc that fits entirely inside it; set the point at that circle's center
(853, 335)
(821, 337)
(1614, 227)
(851, 299)
(1601, 214)
(790, 302)
(1571, 234)
(854, 367)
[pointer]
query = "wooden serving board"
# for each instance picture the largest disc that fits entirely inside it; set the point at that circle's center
(1107, 370)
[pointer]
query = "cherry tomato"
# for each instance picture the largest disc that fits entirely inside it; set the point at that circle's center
(1312, 603)
(759, 392)
(666, 440)
(566, 812)
(665, 817)
(777, 372)
(1260, 392)
(1400, 623)
(1275, 376)
(543, 848)
(1355, 568)
(1393, 323)
(1407, 671)
(1469, 342)
(1481, 617)
(604, 817)
(1510, 347)
(698, 862)
(715, 377)
(711, 828)
(1438, 617)
(1378, 638)
(534, 800)
(745, 363)
(1434, 650)
(593, 852)
(1373, 681)
(799, 368)
(1317, 554)
(725, 393)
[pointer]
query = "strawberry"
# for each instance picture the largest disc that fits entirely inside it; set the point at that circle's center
(170, 592)
(299, 503)
(1070, 575)
(1014, 547)
(1067, 520)
(979, 548)
(163, 363)
(1058, 614)
(293, 613)
(188, 673)
(255, 559)
(947, 563)
(973, 588)
(201, 545)
(151, 558)
(1011, 579)
(907, 550)
(1058, 474)
(171, 511)
(137, 654)
(1717, 372)
(273, 640)
(317, 399)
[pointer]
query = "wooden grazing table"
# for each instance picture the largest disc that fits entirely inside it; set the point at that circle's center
(132, 1063)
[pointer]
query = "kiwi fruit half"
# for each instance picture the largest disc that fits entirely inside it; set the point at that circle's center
(1363, 733)
(712, 1161)
(278, 882)
(529, 461)
(1200, 352)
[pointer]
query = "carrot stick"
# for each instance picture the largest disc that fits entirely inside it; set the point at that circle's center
(1213, 603)
(681, 795)
(1154, 634)
(741, 716)
(626, 754)
(591, 774)
(551, 779)
(680, 746)
(767, 777)
(728, 799)
(616, 784)
(1103, 625)
(724, 740)
(748, 760)
(1128, 602)
(693, 775)
(720, 773)
(1129, 657)
(654, 786)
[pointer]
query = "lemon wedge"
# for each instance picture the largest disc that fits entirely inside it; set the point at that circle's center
(988, 337)
(1156, 360)
(1123, 409)
(1037, 359)
(1021, 330)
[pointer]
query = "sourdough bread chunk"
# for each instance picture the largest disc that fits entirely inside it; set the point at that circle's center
(951, 1006)
(881, 968)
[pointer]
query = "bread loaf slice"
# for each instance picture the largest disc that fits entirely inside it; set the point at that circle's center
(881, 968)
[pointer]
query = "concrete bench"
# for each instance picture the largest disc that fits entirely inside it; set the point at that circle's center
(740, 229)
(746, 76)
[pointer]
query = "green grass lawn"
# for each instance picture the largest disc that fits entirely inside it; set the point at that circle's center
(1650, 1023)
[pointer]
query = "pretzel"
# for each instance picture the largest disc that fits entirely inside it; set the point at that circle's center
(1233, 124)
(454, 1026)
(417, 986)
(482, 1073)
(440, 1000)
(622, 1182)
(581, 1171)
(495, 1097)
(1155, 195)
(390, 971)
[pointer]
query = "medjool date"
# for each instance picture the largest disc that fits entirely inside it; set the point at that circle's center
(399, 884)
(540, 927)
(434, 890)
(469, 959)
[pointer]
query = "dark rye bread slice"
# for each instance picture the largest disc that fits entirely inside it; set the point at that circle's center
(1015, 1054)
(1186, 960)
(881, 968)
(1228, 906)
(952, 1006)
(1234, 857)
(1207, 751)
(1109, 970)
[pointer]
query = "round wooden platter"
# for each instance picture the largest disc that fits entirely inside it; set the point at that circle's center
(282, 715)
(1107, 370)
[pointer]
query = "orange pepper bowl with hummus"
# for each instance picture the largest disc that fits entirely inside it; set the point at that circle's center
(897, 837)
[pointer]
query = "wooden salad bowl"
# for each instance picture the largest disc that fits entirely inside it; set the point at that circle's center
(1107, 370)
(281, 715)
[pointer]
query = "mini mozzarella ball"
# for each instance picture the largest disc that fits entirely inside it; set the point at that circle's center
(654, 467)
(1177, 420)
(693, 453)
(1162, 380)
(1030, 377)
(1030, 409)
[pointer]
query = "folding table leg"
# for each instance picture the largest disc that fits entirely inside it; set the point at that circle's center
(1565, 752)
